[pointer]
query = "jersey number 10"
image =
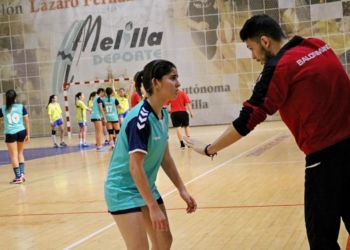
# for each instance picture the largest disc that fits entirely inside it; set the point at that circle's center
(12, 118)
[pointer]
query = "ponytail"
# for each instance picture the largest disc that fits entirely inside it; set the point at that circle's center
(109, 91)
(10, 99)
(93, 94)
(138, 82)
(50, 100)
(77, 98)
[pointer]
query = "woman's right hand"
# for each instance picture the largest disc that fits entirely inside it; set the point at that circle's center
(104, 121)
(159, 220)
(196, 145)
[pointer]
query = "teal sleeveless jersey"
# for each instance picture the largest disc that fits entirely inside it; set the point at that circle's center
(111, 111)
(13, 119)
(142, 131)
(96, 113)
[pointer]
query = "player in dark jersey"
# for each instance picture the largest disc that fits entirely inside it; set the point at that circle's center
(305, 81)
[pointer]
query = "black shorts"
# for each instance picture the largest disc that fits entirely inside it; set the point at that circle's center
(19, 136)
(95, 120)
(112, 122)
(180, 119)
(134, 209)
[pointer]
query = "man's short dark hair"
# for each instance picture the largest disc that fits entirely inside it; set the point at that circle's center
(261, 25)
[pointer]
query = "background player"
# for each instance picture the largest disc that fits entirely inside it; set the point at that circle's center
(16, 132)
(81, 118)
(111, 105)
(179, 115)
(104, 129)
(123, 99)
(98, 118)
(55, 115)
(139, 92)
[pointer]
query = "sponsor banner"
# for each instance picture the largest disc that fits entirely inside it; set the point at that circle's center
(44, 44)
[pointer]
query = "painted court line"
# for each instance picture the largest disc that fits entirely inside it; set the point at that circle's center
(168, 209)
(172, 191)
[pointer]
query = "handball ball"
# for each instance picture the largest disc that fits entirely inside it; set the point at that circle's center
(225, 32)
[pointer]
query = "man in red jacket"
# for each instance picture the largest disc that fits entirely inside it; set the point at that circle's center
(305, 81)
(179, 115)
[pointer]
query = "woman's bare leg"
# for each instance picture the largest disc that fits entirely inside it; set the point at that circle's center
(161, 240)
(133, 230)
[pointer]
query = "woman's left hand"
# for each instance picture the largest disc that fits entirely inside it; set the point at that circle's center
(27, 139)
(191, 203)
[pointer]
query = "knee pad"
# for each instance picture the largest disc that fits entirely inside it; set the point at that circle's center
(117, 131)
(110, 131)
(53, 132)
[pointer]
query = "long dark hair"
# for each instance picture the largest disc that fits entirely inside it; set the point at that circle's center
(50, 99)
(109, 91)
(77, 98)
(155, 69)
(10, 99)
(138, 82)
(99, 90)
(93, 94)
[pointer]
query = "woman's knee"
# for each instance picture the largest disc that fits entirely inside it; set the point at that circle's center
(164, 240)
(168, 238)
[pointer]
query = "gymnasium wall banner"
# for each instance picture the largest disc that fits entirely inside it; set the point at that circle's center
(46, 43)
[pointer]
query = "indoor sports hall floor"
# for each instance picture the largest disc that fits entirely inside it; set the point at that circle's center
(249, 197)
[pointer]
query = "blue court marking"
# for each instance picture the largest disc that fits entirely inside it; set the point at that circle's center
(37, 153)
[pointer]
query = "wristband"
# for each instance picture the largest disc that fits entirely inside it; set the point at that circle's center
(206, 152)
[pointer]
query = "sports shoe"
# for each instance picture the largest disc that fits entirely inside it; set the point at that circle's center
(80, 145)
(23, 177)
(85, 145)
(106, 143)
(55, 145)
(101, 149)
(17, 181)
(183, 148)
(63, 144)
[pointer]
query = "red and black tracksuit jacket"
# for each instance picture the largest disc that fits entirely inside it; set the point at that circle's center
(306, 82)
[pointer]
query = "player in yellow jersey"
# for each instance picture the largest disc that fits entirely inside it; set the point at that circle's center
(55, 115)
(91, 99)
(81, 118)
(123, 99)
